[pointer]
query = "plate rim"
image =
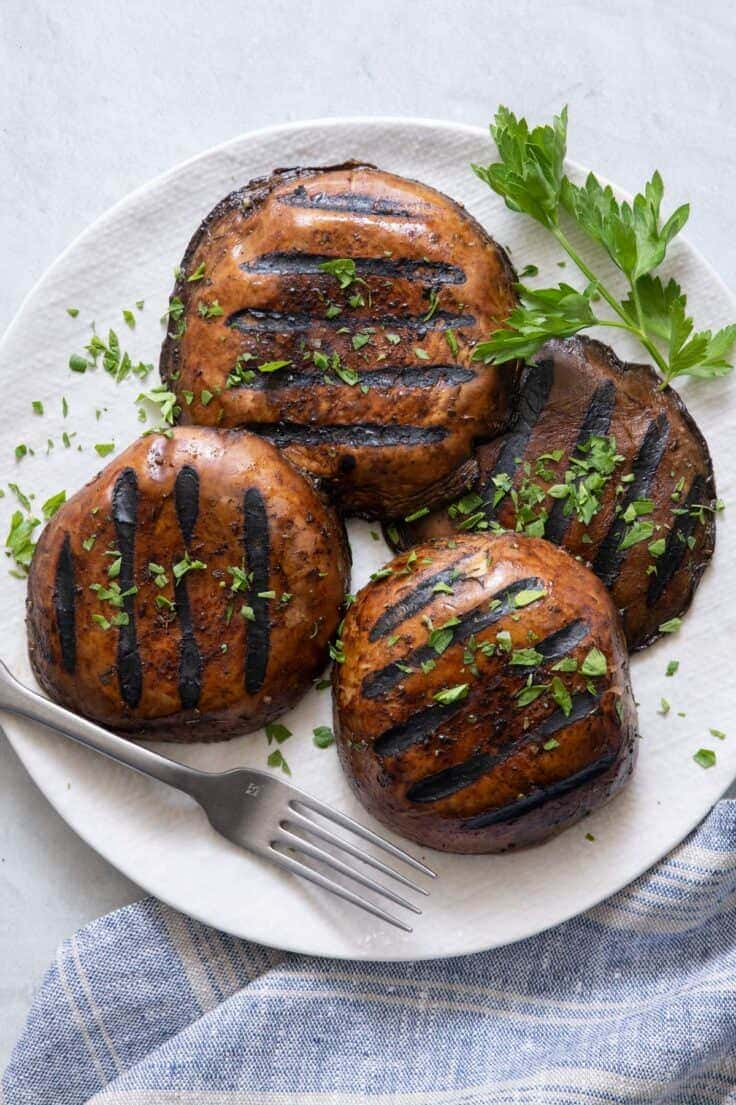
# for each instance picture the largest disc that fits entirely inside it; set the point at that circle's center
(279, 129)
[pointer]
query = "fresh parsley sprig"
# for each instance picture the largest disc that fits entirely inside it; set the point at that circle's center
(530, 177)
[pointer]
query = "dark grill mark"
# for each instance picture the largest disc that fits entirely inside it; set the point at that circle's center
(256, 562)
(416, 600)
(609, 558)
(125, 516)
(676, 547)
(543, 795)
(353, 202)
(65, 606)
(596, 423)
(562, 642)
(360, 434)
(186, 498)
(535, 392)
(455, 778)
(253, 321)
(388, 376)
(420, 726)
(293, 263)
(474, 621)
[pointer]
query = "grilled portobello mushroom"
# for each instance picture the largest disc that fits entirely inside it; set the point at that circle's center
(483, 702)
(189, 591)
(647, 530)
(360, 372)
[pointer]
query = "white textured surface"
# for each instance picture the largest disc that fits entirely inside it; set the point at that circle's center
(95, 103)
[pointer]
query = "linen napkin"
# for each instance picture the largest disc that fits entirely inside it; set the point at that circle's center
(632, 1002)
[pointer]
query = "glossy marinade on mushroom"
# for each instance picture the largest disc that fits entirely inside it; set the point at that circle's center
(334, 312)
(606, 462)
(483, 700)
(189, 591)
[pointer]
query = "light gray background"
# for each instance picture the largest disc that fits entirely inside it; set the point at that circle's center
(98, 97)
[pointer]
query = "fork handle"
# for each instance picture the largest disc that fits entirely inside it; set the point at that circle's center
(15, 698)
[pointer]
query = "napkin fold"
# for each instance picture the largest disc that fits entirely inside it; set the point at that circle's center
(633, 1002)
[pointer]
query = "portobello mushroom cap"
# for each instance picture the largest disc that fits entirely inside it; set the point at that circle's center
(189, 592)
(653, 533)
(362, 375)
(484, 700)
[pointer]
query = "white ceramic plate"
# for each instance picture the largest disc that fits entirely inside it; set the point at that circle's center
(156, 836)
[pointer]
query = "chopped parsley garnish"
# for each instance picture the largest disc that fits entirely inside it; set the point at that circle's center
(433, 305)
(705, 757)
(72, 311)
(422, 354)
(664, 707)
(209, 310)
(115, 362)
(440, 638)
(277, 732)
(104, 449)
(422, 512)
(181, 567)
(449, 695)
(530, 693)
(718, 734)
(360, 340)
(451, 340)
(672, 667)
(272, 366)
(640, 531)
(78, 363)
(343, 269)
(568, 663)
(594, 664)
(159, 396)
(19, 543)
(323, 736)
(276, 759)
(37, 406)
(671, 626)
(52, 504)
(129, 318)
(526, 658)
(561, 695)
(525, 598)
(158, 573)
(198, 274)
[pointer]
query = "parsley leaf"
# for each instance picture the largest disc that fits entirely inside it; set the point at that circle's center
(448, 695)
(323, 736)
(530, 178)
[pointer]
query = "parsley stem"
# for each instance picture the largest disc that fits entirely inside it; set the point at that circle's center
(625, 324)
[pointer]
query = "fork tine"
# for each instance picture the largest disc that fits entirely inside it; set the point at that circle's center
(340, 842)
(360, 830)
(288, 863)
(297, 842)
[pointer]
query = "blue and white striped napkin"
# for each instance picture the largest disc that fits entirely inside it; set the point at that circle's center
(632, 1002)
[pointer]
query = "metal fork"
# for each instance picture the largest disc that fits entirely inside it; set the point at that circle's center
(251, 808)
